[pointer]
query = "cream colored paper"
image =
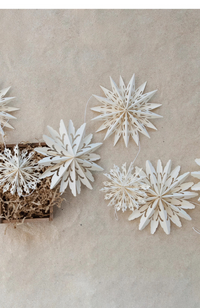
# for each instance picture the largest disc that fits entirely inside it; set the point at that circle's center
(167, 197)
(19, 172)
(70, 157)
(5, 110)
(125, 188)
(126, 111)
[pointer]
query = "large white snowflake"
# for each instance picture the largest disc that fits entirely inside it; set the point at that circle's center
(125, 189)
(19, 172)
(4, 109)
(196, 174)
(126, 111)
(166, 197)
(70, 157)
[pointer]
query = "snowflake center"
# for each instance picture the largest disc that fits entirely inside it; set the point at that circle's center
(126, 109)
(161, 196)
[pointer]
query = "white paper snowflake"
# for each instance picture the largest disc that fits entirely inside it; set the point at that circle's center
(4, 109)
(125, 188)
(196, 174)
(126, 111)
(19, 172)
(70, 157)
(166, 197)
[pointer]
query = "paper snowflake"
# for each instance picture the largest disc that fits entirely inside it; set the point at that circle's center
(126, 111)
(70, 157)
(19, 172)
(166, 197)
(196, 174)
(4, 109)
(125, 188)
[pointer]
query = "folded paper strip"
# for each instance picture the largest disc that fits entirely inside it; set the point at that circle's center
(196, 174)
(70, 157)
(126, 111)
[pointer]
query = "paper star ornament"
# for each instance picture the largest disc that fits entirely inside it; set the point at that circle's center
(166, 197)
(70, 157)
(4, 110)
(125, 111)
(19, 172)
(196, 174)
(125, 188)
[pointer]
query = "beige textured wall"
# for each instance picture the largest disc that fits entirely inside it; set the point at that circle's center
(55, 60)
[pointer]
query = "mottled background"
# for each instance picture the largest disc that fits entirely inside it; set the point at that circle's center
(55, 60)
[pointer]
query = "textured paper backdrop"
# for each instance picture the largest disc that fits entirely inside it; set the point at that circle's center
(55, 60)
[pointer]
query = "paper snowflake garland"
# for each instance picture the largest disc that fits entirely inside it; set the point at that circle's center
(4, 110)
(166, 198)
(19, 172)
(126, 111)
(196, 174)
(125, 188)
(70, 157)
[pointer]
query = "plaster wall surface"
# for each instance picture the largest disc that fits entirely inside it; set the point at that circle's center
(55, 60)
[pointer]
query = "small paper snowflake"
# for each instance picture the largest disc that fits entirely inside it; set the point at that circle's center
(4, 109)
(126, 111)
(166, 197)
(125, 188)
(70, 157)
(196, 174)
(18, 172)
